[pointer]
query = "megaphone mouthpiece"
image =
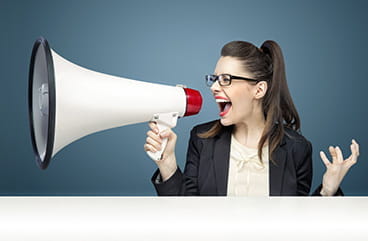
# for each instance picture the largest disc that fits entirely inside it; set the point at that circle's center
(194, 102)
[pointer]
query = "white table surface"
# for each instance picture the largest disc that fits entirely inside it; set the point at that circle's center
(183, 218)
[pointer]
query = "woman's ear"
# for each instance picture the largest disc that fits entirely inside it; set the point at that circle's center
(261, 89)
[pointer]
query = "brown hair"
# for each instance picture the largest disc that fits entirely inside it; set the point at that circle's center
(266, 64)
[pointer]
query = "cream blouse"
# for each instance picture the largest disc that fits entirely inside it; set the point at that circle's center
(248, 176)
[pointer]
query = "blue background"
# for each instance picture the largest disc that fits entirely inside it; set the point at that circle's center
(173, 42)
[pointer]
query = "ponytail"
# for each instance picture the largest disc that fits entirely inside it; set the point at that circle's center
(278, 106)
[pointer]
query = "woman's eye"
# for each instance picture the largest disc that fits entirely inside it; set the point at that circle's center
(225, 79)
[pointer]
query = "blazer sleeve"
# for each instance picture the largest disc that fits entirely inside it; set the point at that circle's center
(304, 168)
(182, 184)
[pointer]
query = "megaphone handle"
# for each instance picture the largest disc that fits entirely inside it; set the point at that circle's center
(164, 121)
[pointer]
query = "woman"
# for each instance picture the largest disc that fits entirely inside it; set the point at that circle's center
(256, 148)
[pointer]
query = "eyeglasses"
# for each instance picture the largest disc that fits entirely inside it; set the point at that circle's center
(224, 79)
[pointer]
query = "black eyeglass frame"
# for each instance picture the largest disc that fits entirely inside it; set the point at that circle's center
(211, 79)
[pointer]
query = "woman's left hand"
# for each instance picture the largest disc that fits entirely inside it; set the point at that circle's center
(337, 169)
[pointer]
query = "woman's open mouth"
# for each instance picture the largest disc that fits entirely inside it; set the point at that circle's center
(224, 104)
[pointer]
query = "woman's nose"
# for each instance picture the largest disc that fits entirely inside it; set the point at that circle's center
(215, 88)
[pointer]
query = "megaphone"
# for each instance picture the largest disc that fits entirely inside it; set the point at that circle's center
(67, 102)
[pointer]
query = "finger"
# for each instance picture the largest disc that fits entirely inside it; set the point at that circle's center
(153, 126)
(148, 147)
(353, 150)
(153, 143)
(353, 157)
(333, 154)
(154, 136)
(166, 133)
(324, 158)
(340, 157)
(356, 146)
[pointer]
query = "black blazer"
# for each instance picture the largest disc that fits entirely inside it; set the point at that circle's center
(207, 166)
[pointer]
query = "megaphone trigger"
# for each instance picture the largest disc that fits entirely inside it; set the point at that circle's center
(164, 121)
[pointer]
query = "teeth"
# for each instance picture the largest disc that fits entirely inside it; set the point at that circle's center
(222, 101)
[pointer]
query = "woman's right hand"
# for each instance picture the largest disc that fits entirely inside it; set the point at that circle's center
(167, 164)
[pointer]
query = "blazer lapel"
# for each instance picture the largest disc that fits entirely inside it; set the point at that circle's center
(221, 156)
(276, 171)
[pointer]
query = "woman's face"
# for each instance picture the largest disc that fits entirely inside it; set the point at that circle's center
(237, 102)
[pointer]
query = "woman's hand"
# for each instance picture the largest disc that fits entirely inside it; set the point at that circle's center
(337, 169)
(167, 164)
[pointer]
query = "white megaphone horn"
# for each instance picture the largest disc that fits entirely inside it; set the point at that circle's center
(67, 102)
